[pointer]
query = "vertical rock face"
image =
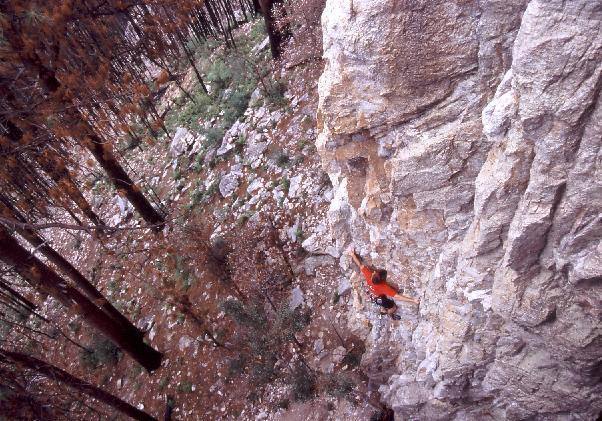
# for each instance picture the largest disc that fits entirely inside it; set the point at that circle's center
(463, 142)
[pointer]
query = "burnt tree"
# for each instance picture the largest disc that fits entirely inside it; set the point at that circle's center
(46, 280)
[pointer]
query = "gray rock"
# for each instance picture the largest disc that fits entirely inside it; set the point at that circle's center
(261, 46)
(468, 166)
(184, 342)
(297, 298)
(318, 346)
(180, 143)
(228, 184)
(344, 286)
(313, 262)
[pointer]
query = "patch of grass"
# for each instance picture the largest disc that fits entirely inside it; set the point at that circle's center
(285, 183)
(189, 113)
(299, 234)
(339, 385)
(185, 387)
(113, 286)
(164, 382)
(250, 316)
(214, 135)
(282, 159)
(102, 352)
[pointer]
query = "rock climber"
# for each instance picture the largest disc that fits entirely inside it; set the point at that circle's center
(383, 294)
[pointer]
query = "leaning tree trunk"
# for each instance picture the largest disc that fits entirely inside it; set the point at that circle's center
(63, 264)
(123, 182)
(59, 175)
(54, 373)
(80, 280)
(101, 150)
(45, 279)
(64, 179)
(276, 36)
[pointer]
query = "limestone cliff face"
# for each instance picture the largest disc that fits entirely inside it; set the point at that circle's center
(463, 142)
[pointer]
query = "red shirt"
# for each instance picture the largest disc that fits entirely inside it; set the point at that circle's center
(377, 289)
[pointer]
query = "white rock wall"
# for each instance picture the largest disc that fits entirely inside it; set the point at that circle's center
(463, 142)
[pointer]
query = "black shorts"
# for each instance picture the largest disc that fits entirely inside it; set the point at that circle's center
(384, 302)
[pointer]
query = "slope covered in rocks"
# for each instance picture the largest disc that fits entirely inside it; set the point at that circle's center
(463, 142)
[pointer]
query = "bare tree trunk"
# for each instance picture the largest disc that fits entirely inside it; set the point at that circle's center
(55, 373)
(123, 182)
(76, 276)
(60, 176)
(276, 36)
(45, 279)
(101, 152)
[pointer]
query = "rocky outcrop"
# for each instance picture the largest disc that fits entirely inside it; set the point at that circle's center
(463, 141)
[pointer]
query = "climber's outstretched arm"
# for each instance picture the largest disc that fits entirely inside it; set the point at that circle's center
(355, 258)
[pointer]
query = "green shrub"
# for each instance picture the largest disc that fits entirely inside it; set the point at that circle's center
(285, 183)
(185, 387)
(282, 159)
(250, 316)
(102, 352)
(219, 74)
(263, 373)
(339, 385)
(163, 382)
(214, 135)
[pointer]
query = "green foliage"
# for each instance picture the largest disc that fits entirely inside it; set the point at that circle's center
(102, 352)
(285, 183)
(282, 159)
(232, 75)
(164, 382)
(191, 112)
(290, 322)
(274, 93)
(219, 75)
(339, 385)
(234, 107)
(264, 371)
(185, 387)
(213, 135)
(250, 316)
(183, 274)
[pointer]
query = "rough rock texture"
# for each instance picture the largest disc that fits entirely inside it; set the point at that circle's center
(462, 139)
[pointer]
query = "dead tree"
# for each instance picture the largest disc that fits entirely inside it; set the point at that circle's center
(44, 279)
(54, 373)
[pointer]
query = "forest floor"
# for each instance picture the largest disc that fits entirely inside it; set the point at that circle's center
(255, 180)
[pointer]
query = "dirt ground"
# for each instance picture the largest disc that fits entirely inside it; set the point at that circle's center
(145, 274)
